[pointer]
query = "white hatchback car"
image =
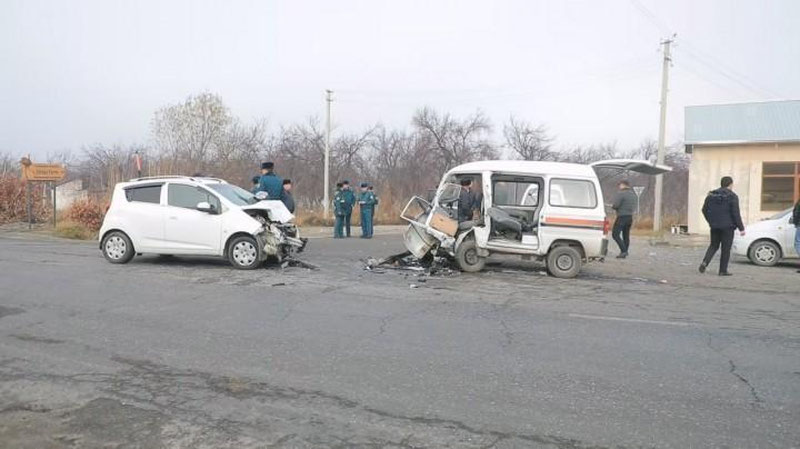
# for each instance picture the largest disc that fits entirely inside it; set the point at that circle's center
(181, 215)
(769, 241)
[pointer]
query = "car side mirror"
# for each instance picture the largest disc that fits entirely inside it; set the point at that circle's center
(204, 206)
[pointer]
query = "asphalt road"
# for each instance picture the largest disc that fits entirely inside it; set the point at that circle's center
(188, 353)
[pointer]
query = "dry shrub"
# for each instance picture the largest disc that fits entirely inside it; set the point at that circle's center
(13, 203)
(72, 230)
(88, 213)
(387, 213)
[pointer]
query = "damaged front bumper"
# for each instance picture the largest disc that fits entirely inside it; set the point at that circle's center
(280, 241)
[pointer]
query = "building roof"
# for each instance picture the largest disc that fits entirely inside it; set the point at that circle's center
(768, 121)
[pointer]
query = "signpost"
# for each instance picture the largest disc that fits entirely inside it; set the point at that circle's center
(638, 191)
(41, 173)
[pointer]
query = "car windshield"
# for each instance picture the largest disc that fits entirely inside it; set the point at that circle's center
(234, 194)
(780, 214)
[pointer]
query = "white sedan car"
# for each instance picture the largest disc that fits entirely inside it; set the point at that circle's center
(769, 241)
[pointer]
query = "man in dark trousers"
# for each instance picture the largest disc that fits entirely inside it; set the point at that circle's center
(338, 212)
(349, 204)
(624, 205)
(287, 198)
(721, 210)
(796, 221)
(466, 204)
(270, 182)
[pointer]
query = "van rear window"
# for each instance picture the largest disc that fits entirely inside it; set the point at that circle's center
(144, 194)
(573, 193)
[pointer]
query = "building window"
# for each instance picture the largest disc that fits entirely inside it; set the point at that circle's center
(780, 185)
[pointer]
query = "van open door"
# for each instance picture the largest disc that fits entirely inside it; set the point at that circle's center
(635, 165)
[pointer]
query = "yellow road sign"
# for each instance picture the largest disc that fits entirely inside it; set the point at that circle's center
(43, 172)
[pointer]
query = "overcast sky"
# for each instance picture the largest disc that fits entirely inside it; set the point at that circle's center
(74, 73)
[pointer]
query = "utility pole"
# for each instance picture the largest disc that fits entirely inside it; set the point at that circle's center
(326, 178)
(659, 190)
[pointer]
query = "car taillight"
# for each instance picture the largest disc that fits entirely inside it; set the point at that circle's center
(606, 226)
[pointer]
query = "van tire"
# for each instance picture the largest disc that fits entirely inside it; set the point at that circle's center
(117, 247)
(244, 253)
(467, 257)
(564, 262)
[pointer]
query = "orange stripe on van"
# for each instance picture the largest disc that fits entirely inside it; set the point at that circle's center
(573, 221)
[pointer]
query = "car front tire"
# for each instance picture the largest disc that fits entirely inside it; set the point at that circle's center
(564, 262)
(764, 253)
(244, 253)
(467, 257)
(117, 247)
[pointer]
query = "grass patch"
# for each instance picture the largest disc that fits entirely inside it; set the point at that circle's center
(75, 231)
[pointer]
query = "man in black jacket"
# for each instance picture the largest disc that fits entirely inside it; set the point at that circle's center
(721, 210)
(624, 205)
(796, 221)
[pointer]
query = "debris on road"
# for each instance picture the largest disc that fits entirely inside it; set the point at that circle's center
(292, 262)
(429, 266)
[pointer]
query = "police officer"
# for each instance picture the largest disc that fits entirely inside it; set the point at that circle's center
(349, 203)
(338, 212)
(377, 201)
(287, 198)
(366, 201)
(270, 182)
(256, 180)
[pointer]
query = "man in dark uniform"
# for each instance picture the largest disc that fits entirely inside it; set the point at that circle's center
(349, 204)
(625, 205)
(256, 180)
(338, 212)
(366, 203)
(270, 182)
(721, 210)
(287, 198)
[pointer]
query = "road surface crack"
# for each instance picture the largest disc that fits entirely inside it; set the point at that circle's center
(757, 401)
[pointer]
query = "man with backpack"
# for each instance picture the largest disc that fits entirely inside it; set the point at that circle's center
(721, 210)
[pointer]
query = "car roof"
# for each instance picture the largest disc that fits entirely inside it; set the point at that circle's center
(170, 178)
(532, 167)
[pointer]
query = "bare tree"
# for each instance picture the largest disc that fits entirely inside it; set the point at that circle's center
(455, 141)
(529, 142)
(190, 131)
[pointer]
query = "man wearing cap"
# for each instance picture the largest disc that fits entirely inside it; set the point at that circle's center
(366, 201)
(256, 181)
(349, 203)
(338, 212)
(287, 198)
(270, 182)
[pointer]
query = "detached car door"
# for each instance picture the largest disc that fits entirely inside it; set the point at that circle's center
(188, 230)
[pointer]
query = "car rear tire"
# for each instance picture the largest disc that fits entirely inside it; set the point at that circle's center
(764, 253)
(117, 247)
(467, 257)
(244, 253)
(564, 262)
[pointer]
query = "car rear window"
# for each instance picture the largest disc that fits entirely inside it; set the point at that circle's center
(573, 193)
(144, 194)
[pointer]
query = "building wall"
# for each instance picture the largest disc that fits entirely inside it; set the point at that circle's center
(69, 192)
(743, 162)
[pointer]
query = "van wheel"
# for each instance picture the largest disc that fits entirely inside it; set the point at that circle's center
(117, 247)
(564, 262)
(244, 253)
(764, 253)
(467, 257)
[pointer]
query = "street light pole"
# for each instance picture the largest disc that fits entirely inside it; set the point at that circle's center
(326, 177)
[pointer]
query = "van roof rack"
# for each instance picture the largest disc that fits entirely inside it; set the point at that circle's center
(193, 178)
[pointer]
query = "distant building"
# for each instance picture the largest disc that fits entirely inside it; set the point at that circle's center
(69, 192)
(758, 144)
